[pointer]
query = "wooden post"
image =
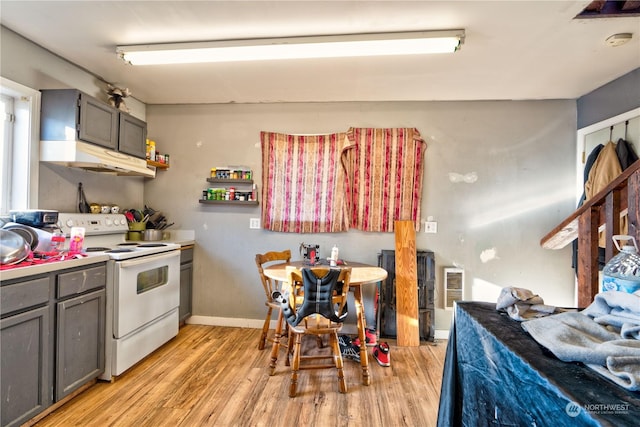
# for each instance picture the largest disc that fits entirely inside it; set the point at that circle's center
(407, 324)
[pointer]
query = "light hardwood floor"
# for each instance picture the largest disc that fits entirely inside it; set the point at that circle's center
(216, 376)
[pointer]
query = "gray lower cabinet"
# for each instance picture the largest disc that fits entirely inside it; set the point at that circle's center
(25, 339)
(52, 336)
(80, 341)
(25, 365)
(186, 282)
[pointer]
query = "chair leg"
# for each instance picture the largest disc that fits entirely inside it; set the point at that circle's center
(295, 367)
(337, 356)
(290, 339)
(275, 348)
(265, 330)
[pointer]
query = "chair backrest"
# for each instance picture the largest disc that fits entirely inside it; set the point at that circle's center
(269, 258)
(324, 295)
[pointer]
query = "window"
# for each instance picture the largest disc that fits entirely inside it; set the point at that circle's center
(19, 154)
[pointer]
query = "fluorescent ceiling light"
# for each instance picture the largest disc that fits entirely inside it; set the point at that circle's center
(407, 43)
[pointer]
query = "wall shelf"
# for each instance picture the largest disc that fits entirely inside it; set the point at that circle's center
(229, 202)
(157, 165)
(229, 181)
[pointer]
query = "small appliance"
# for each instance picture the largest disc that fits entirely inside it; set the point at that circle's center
(41, 218)
(310, 253)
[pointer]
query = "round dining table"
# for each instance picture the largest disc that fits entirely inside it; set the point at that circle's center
(361, 274)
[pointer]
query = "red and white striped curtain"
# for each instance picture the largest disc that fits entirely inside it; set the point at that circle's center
(384, 169)
(303, 183)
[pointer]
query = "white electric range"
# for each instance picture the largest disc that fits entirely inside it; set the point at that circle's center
(143, 288)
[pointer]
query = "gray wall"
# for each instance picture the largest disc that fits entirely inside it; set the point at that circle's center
(522, 152)
(32, 66)
(616, 97)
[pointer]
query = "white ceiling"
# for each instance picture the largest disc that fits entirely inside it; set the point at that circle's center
(513, 49)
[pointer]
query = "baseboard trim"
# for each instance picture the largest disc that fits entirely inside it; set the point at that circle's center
(441, 334)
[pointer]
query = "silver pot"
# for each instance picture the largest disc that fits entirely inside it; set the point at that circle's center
(13, 247)
(151, 235)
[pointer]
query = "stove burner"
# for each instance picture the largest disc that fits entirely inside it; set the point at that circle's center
(151, 245)
(128, 244)
(97, 249)
(117, 251)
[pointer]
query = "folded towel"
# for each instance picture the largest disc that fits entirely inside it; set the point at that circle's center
(619, 311)
(522, 304)
(587, 337)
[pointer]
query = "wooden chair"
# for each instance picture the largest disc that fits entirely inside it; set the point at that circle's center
(270, 287)
(319, 311)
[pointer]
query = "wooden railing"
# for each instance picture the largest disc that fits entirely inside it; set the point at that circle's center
(600, 213)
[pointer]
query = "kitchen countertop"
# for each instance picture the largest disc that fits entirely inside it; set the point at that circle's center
(180, 237)
(32, 270)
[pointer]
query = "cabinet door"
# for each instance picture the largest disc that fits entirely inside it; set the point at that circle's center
(186, 278)
(98, 122)
(80, 341)
(133, 136)
(25, 364)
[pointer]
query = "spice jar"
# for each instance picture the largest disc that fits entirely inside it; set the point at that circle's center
(232, 193)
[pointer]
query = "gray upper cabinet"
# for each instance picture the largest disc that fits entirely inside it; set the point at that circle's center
(98, 122)
(132, 136)
(69, 114)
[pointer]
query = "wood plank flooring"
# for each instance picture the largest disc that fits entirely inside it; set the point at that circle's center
(216, 376)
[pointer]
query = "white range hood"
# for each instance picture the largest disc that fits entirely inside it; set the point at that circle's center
(77, 154)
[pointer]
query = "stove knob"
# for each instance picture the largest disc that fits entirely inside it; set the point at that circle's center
(69, 223)
(109, 222)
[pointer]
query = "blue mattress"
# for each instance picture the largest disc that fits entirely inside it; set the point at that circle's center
(495, 374)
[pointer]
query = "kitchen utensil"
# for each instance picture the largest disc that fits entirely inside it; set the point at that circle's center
(13, 247)
(129, 216)
(138, 215)
(29, 235)
(83, 206)
(151, 235)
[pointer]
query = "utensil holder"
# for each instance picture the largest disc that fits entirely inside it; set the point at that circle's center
(137, 226)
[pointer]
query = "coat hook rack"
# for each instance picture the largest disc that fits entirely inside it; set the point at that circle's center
(626, 126)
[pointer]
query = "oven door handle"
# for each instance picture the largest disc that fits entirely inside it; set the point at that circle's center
(147, 259)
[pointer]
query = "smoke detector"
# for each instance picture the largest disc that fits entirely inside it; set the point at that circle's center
(618, 39)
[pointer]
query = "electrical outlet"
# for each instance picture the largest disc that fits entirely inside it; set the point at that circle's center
(254, 222)
(430, 227)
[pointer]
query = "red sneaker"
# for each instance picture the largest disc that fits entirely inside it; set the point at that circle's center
(381, 354)
(370, 338)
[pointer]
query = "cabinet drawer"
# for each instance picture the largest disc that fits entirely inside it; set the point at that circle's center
(22, 295)
(186, 255)
(79, 281)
